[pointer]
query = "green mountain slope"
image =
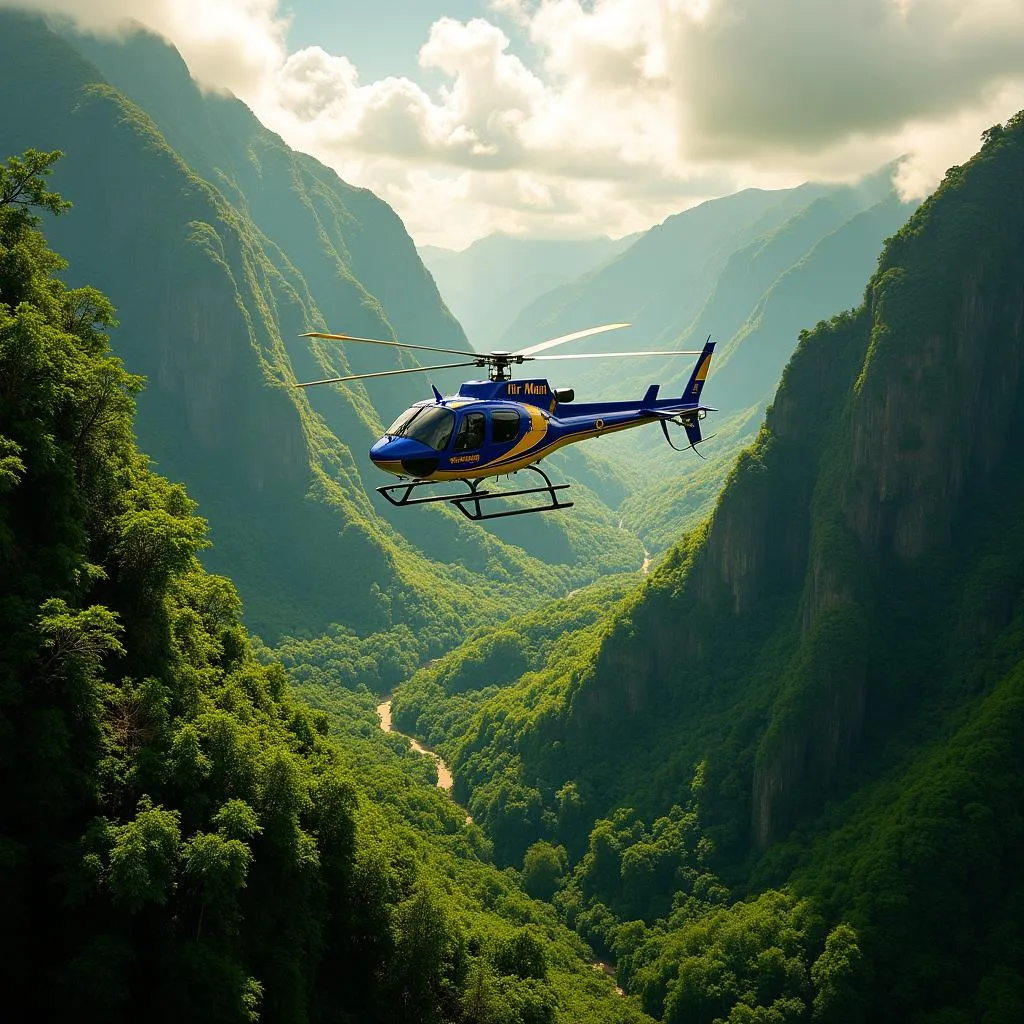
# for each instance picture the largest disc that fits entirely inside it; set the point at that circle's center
(797, 257)
(829, 276)
(181, 837)
(820, 689)
(659, 283)
(220, 261)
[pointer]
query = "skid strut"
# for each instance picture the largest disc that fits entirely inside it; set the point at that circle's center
(471, 502)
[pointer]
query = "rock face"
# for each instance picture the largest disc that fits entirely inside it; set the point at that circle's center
(923, 428)
(812, 620)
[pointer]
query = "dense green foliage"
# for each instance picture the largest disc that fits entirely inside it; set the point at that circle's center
(835, 659)
(440, 700)
(180, 836)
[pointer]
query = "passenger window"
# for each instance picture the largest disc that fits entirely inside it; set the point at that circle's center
(504, 426)
(471, 432)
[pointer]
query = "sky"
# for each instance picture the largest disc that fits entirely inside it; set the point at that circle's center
(576, 118)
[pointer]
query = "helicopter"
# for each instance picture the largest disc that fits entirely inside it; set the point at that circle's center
(498, 426)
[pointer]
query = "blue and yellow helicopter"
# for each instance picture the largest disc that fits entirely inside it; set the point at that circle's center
(499, 426)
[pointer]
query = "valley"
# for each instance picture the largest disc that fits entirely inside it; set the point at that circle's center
(778, 708)
(749, 729)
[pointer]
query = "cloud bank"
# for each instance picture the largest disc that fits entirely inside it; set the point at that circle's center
(622, 111)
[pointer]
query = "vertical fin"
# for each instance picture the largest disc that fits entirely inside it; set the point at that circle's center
(700, 372)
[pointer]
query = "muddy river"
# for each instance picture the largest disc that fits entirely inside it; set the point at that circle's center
(444, 777)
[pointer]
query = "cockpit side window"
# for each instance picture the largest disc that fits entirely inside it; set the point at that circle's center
(432, 427)
(471, 432)
(504, 426)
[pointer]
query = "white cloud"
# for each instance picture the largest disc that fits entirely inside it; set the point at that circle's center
(796, 76)
(313, 81)
(624, 110)
(935, 146)
(227, 44)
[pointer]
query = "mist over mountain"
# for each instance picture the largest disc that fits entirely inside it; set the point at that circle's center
(490, 282)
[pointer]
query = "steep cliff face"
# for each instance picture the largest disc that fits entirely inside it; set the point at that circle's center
(930, 420)
(922, 430)
(934, 416)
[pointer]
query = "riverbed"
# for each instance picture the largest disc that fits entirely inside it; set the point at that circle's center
(444, 776)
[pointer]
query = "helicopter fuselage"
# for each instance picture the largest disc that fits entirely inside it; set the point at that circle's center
(491, 428)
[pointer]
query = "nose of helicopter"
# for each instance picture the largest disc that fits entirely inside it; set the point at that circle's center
(401, 456)
(384, 455)
(380, 447)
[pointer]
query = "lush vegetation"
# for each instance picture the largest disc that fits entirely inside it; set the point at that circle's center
(780, 780)
(180, 836)
(439, 701)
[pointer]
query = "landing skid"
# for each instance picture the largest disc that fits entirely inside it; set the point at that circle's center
(470, 503)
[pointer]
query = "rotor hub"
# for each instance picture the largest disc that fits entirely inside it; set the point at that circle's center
(499, 364)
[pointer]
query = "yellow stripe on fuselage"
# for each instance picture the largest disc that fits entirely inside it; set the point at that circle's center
(499, 467)
(534, 434)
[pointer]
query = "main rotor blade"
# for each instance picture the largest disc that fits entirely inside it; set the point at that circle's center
(382, 373)
(613, 355)
(389, 344)
(568, 337)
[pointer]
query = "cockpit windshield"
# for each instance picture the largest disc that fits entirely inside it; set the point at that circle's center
(397, 429)
(430, 424)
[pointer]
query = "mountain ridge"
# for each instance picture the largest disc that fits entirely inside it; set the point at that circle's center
(182, 836)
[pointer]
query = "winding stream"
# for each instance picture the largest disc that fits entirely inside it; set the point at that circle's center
(444, 776)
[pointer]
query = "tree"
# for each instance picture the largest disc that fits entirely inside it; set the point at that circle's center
(523, 954)
(543, 867)
(23, 184)
(836, 975)
(144, 856)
